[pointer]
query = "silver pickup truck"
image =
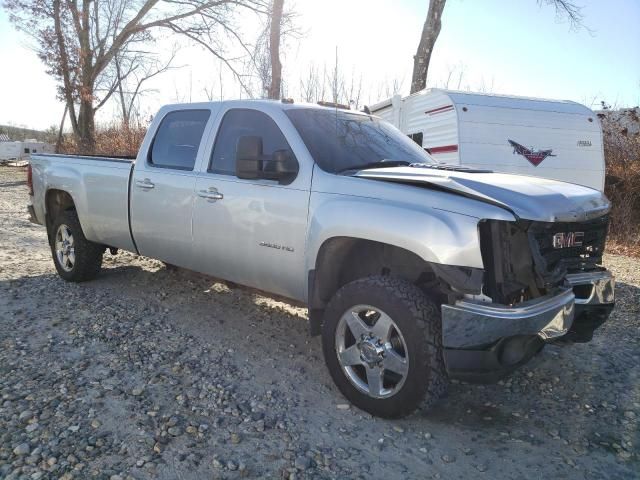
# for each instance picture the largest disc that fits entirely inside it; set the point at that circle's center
(414, 272)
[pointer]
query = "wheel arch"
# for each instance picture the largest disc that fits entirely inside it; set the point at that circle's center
(55, 202)
(343, 259)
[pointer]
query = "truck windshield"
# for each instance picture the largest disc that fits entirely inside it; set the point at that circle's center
(339, 141)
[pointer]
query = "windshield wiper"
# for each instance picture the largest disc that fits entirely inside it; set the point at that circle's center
(379, 164)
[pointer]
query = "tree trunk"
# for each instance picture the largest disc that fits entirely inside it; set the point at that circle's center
(430, 32)
(274, 49)
(59, 139)
(86, 125)
(120, 88)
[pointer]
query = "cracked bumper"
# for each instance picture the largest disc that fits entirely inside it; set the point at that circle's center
(468, 324)
(595, 299)
(592, 289)
(484, 341)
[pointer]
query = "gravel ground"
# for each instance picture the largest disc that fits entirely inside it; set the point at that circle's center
(150, 373)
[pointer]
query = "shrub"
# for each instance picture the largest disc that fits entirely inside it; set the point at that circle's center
(622, 156)
(113, 139)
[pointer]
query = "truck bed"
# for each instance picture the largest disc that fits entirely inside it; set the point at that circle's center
(99, 186)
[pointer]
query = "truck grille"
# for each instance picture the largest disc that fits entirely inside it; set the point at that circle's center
(521, 261)
(554, 261)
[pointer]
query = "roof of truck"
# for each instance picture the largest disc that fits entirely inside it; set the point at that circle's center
(283, 105)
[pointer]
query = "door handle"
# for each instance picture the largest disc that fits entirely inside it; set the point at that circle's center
(146, 183)
(211, 194)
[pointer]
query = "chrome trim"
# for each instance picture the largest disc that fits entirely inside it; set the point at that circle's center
(146, 184)
(603, 286)
(468, 324)
(210, 194)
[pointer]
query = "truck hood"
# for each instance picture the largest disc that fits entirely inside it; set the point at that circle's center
(529, 198)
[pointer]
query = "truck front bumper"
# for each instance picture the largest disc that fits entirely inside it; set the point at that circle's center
(595, 299)
(485, 341)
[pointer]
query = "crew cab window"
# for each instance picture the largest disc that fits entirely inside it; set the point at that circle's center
(241, 122)
(178, 138)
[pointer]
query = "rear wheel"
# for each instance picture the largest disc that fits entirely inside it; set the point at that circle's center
(383, 346)
(76, 259)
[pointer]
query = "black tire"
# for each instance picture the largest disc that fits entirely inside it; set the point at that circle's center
(88, 255)
(418, 318)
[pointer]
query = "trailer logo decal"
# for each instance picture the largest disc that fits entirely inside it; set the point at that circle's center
(535, 157)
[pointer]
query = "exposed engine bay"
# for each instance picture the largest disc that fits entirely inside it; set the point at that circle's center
(525, 259)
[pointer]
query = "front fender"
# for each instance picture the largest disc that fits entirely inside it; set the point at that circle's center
(436, 236)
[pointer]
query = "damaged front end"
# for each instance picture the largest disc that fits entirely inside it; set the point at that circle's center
(542, 281)
(524, 259)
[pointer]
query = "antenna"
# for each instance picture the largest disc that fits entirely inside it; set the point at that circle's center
(335, 90)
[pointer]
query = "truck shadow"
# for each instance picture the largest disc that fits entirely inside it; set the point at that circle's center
(13, 184)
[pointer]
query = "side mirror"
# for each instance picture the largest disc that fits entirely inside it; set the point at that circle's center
(282, 166)
(252, 164)
(249, 157)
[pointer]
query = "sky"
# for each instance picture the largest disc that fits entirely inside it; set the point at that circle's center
(515, 47)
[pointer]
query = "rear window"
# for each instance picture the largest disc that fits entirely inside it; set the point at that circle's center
(178, 138)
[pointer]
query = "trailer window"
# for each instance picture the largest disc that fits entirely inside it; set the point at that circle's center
(177, 140)
(416, 137)
(26, 150)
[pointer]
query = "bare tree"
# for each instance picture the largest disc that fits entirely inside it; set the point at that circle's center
(78, 40)
(274, 49)
(331, 85)
(266, 58)
(312, 86)
(132, 70)
(430, 32)
(59, 135)
(353, 93)
(432, 25)
(568, 10)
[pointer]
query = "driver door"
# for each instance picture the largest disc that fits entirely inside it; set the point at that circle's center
(251, 232)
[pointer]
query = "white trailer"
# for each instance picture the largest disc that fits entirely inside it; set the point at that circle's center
(10, 151)
(22, 150)
(560, 140)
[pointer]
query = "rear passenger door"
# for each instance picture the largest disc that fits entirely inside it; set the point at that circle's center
(162, 190)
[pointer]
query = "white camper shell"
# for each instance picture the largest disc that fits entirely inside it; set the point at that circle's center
(560, 140)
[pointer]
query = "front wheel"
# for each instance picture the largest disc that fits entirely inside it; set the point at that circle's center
(382, 344)
(76, 259)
